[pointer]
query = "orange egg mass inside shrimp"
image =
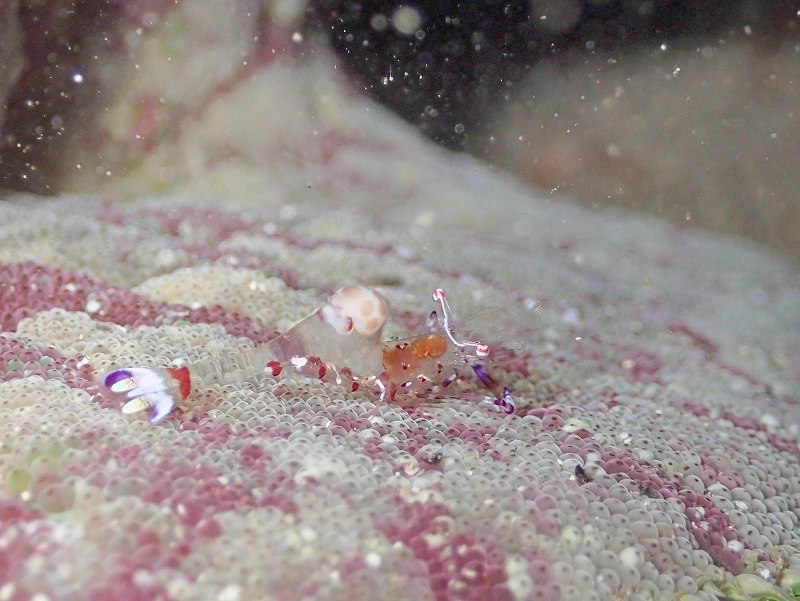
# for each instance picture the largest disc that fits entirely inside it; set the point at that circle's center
(405, 360)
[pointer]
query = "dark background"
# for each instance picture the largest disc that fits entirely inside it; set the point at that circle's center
(470, 59)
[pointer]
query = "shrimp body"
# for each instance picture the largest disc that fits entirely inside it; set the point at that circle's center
(418, 358)
(339, 343)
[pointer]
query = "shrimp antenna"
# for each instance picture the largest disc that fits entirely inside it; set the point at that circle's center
(481, 349)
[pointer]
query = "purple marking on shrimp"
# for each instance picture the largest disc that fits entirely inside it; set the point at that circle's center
(163, 404)
(116, 376)
(449, 380)
(483, 375)
(506, 402)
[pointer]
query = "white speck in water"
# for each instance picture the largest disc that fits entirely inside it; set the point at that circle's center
(406, 20)
(379, 22)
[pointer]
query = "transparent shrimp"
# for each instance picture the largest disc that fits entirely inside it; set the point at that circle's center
(340, 342)
(436, 358)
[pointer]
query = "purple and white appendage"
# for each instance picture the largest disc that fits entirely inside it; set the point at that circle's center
(506, 401)
(144, 388)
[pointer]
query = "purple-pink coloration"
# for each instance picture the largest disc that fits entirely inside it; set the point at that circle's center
(26, 288)
(462, 565)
